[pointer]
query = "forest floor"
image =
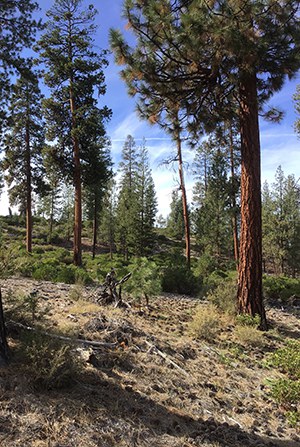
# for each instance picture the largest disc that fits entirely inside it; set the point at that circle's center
(157, 387)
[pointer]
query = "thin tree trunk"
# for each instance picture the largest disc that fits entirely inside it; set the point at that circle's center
(28, 191)
(250, 294)
(51, 215)
(95, 226)
(233, 203)
(77, 185)
(184, 202)
(4, 351)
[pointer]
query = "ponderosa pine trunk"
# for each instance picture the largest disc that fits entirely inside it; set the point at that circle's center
(250, 294)
(77, 186)
(28, 191)
(184, 202)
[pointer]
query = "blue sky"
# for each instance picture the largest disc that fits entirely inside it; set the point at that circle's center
(279, 143)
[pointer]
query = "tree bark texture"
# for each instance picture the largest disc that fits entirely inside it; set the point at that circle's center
(250, 295)
(4, 353)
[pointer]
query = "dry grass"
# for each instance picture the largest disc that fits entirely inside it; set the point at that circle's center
(249, 336)
(131, 396)
(206, 322)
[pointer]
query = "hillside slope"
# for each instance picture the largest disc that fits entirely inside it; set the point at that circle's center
(158, 386)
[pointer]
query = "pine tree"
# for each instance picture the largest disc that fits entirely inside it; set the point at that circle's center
(175, 222)
(17, 32)
(152, 104)
(49, 204)
(74, 72)
(127, 210)
(296, 98)
(201, 53)
(147, 203)
(96, 167)
(212, 220)
(108, 219)
(23, 148)
(281, 223)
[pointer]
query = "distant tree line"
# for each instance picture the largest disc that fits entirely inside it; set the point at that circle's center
(196, 68)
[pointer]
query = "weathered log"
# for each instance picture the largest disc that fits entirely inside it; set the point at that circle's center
(92, 343)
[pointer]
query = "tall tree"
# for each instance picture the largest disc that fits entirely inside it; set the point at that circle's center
(23, 147)
(108, 220)
(201, 53)
(96, 167)
(175, 222)
(281, 223)
(147, 203)
(212, 216)
(74, 73)
(17, 31)
(154, 106)
(127, 210)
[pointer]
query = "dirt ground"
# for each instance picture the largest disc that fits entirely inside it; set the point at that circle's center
(157, 386)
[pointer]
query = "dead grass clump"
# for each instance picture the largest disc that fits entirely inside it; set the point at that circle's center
(206, 322)
(248, 335)
(83, 306)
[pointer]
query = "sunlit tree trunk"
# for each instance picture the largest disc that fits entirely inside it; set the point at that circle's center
(250, 294)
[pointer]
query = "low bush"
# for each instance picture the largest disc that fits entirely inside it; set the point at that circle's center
(224, 297)
(206, 322)
(180, 279)
(280, 288)
(249, 336)
(49, 363)
(285, 391)
(248, 320)
(287, 359)
(145, 280)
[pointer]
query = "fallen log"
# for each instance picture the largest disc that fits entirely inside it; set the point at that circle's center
(93, 343)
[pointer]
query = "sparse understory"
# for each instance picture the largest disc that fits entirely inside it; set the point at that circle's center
(159, 385)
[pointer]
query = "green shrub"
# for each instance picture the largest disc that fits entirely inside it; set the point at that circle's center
(66, 274)
(145, 279)
(50, 364)
(206, 322)
(180, 279)
(280, 287)
(293, 418)
(287, 359)
(224, 297)
(205, 265)
(45, 271)
(285, 391)
(248, 320)
(82, 277)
